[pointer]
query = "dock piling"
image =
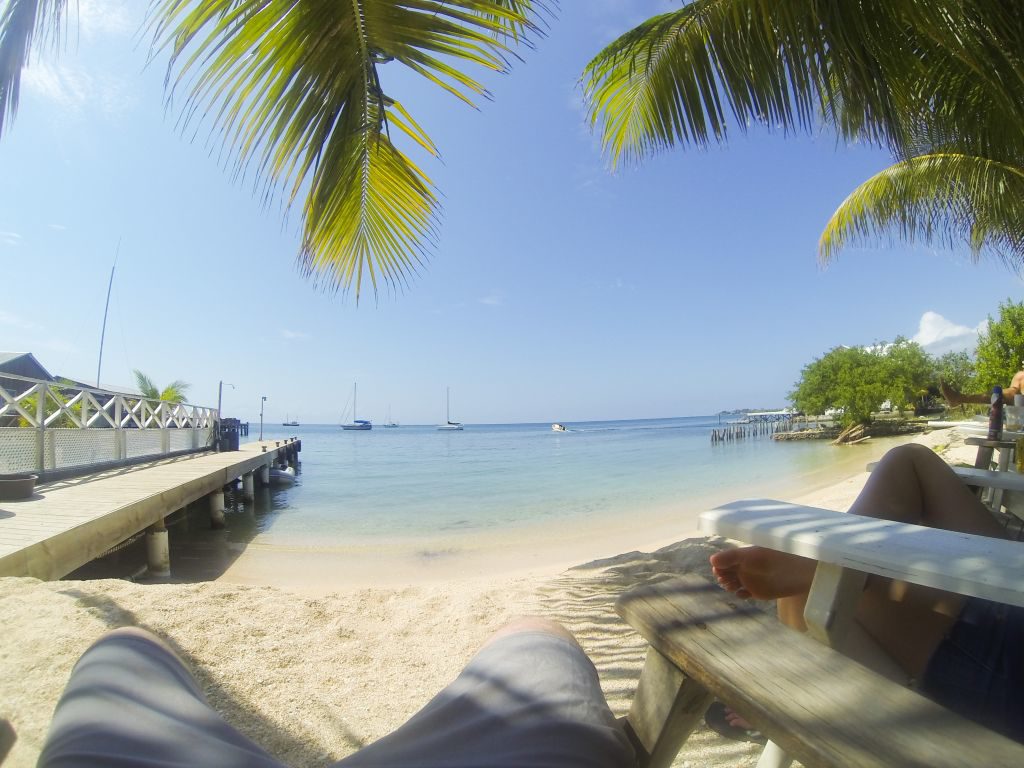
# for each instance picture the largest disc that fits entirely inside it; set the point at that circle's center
(158, 551)
(248, 490)
(217, 509)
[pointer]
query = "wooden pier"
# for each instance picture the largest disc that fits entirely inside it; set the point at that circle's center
(66, 524)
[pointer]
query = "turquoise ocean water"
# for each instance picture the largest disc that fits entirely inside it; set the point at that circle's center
(417, 481)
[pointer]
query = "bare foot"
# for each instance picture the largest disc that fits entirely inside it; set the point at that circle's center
(736, 721)
(764, 574)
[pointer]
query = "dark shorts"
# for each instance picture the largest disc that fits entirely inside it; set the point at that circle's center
(978, 669)
(528, 699)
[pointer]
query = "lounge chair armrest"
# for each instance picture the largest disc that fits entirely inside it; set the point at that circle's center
(956, 562)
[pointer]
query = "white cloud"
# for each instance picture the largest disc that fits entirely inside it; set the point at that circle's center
(286, 334)
(104, 18)
(58, 77)
(65, 86)
(58, 227)
(73, 90)
(938, 335)
(10, 238)
(491, 301)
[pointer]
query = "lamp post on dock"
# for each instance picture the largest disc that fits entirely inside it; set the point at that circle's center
(220, 396)
(263, 399)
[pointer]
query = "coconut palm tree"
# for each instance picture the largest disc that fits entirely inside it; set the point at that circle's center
(172, 393)
(294, 88)
(940, 83)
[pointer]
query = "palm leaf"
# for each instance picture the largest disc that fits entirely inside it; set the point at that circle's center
(295, 92)
(146, 386)
(24, 24)
(896, 72)
(941, 199)
(175, 391)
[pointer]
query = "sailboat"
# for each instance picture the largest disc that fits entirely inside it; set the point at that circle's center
(288, 422)
(389, 423)
(449, 424)
(361, 424)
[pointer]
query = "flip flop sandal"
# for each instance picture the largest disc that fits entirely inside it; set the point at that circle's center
(715, 719)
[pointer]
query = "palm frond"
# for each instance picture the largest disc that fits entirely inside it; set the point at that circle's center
(942, 199)
(175, 392)
(888, 71)
(146, 386)
(24, 25)
(295, 91)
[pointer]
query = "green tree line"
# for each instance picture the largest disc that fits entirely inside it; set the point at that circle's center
(858, 380)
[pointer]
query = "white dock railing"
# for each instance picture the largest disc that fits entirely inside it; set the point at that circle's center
(47, 426)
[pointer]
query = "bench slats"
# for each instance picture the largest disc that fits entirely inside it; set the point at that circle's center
(820, 707)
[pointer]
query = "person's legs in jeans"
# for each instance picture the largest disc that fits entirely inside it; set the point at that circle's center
(529, 698)
(130, 701)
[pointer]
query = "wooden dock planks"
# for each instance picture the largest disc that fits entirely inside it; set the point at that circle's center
(68, 523)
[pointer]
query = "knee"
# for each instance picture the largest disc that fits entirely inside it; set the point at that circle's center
(127, 636)
(910, 453)
(533, 624)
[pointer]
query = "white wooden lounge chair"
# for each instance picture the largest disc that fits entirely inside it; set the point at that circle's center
(816, 705)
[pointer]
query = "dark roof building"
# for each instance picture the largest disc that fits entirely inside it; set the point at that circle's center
(20, 364)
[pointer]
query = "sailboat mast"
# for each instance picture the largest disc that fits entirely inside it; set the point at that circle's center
(354, 411)
(106, 308)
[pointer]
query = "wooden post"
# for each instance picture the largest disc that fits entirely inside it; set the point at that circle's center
(41, 426)
(665, 710)
(248, 491)
(217, 509)
(119, 439)
(158, 551)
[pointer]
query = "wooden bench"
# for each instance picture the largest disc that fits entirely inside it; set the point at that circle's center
(812, 702)
(818, 706)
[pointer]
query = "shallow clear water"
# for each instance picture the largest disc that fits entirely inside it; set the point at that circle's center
(416, 481)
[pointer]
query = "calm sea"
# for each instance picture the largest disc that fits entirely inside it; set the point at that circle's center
(417, 481)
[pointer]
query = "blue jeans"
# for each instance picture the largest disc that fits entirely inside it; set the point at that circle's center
(527, 699)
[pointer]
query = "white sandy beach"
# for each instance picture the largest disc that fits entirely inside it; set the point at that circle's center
(313, 674)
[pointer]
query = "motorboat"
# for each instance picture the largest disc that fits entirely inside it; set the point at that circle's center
(282, 477)
(558, 427)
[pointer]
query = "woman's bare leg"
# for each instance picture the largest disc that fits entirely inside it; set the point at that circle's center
(911, 485)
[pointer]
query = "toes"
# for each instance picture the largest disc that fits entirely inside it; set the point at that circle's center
(727, 558)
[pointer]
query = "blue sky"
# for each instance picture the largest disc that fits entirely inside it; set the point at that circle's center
(558, 290)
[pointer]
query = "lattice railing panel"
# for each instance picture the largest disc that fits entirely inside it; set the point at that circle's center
(78, 447)
(180, 439)
(141, 442)
(17, 450)
(78, 426)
